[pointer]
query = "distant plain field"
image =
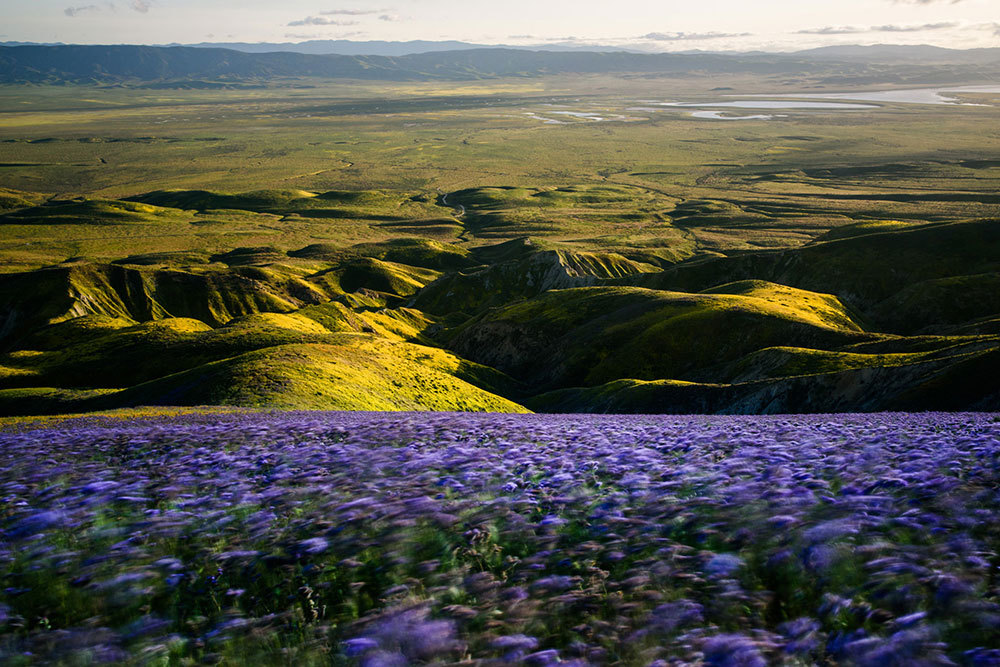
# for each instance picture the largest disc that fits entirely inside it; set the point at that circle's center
(788, 179)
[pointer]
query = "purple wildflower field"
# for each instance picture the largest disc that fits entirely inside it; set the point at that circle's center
(396, 539)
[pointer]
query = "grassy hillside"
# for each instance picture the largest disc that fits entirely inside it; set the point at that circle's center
(355, 373)
(520, 269)
(346, 372)
(588, 336)
(883, 275)
(960, 383)
(559, 242)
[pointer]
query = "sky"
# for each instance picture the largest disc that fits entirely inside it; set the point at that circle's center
(655, 25)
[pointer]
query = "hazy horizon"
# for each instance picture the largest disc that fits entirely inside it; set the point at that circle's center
(713, 25)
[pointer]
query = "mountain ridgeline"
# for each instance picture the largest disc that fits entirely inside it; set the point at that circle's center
(874, 317)
(59, 64)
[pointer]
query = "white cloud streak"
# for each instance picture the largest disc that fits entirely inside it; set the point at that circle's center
(853, 30)
(691, 36)
(321, 20)
(352, 12)
(141, 6)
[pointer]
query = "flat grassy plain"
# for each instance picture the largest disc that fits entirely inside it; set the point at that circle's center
(399, 213)
(788, 179)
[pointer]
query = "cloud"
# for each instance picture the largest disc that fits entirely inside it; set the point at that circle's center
(853, 30)
(914, 28)
(344, 35)
(141, 6)
(84, 9)
(351, 12)
(691, 36)
(319, 20)
(832, 30)
(322, 20)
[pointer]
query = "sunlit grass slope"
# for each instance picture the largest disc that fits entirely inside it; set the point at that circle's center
(179, 228)
(588, 336)
(353, 373)
(420, 252)
(498, 212)
(103, 351)
(54, 295)
(85, 211)
(371, 204)
(920, 269)
(214, 296)
(345, 372)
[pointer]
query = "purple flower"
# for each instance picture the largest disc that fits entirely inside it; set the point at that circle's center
(515, 642)
(314, 545)
(549, 657)
(723, 565)
(358, 646)
(802, 635)
(732, 651)
(556, 582)
(384, 659)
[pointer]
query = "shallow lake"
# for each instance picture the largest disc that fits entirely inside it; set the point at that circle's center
(769, 104)
(943, 95)
(717, 115)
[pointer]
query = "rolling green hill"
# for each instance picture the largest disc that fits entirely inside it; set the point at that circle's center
(589, 336)
(493, 230)
(348, 372)
(865, 317)
(885, 275)
(957, 384)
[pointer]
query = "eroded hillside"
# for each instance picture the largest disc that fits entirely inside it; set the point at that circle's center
(498, 299)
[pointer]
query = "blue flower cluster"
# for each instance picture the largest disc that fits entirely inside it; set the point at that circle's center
(396, 539)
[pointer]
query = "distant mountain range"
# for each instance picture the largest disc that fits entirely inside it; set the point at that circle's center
(891, 53)
(346, 47)
(137, 64)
